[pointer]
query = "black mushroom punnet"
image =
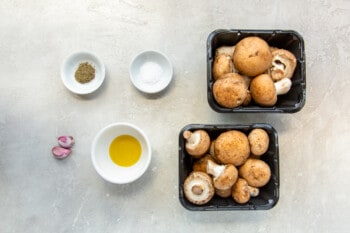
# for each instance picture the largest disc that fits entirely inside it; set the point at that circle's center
(230, 166)
(267, 72)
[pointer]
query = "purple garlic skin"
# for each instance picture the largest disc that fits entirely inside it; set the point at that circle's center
(66, 141)
(60, 152)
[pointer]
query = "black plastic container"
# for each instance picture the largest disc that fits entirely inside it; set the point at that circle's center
(291, 102)
(269, 194)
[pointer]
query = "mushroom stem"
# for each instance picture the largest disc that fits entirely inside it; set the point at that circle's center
(254, 192)
(197, 189)
(187, 134)
(215, 169)
(283, 86)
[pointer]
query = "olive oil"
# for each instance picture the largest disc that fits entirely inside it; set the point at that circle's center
(125, 150)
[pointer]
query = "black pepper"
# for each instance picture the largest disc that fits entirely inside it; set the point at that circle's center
(85, 73)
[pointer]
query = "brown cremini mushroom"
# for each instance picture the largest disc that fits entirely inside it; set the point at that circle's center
(258, 141)
(197, 142)
(283, 64)
(222, 65)
(240, 191)
(263, 91)
(232, 147)
(201, 164)
(198, 188)
(211, 149)
(252, 56)
(256, 172)
(224, 176)
(230, 91)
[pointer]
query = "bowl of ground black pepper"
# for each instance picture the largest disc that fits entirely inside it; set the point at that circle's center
(82, 73)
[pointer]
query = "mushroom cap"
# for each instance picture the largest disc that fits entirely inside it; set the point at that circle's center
(198, 188)
(223, 64)
(240, 191)
(227, 178)
(230, 91)
(258, 141)
(201, 164)
(197, 142)
(223, 192)
(232, 147)
(256, 172)
(283, 64)
(263, 91)
(252, 56)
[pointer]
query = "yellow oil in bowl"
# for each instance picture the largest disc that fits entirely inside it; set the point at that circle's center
(125, 150)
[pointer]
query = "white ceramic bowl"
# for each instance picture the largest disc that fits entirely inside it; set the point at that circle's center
(71, 64)
(104, 165)
(151, 72)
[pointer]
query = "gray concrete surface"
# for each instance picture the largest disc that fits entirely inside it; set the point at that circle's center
(41, 194)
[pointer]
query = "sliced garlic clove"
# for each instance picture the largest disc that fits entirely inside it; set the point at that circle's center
(60, 152)
(66, 141)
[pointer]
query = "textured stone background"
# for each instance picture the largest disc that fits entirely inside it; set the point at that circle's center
(41, 194)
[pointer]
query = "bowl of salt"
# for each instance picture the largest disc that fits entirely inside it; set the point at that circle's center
(151, 72)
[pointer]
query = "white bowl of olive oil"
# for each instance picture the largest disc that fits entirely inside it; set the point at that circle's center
(121, 153)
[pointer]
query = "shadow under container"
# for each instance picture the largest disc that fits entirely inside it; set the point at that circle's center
(290, 40)
(269, 194)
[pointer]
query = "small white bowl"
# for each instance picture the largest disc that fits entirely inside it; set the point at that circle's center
(71, 64)
(104, 165)
(151, 72)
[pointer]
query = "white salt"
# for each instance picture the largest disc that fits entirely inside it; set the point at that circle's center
(150, 73)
